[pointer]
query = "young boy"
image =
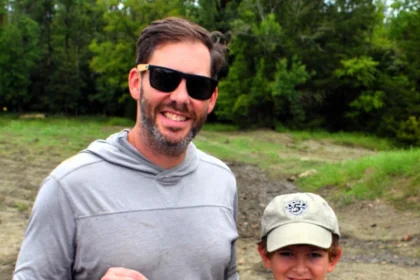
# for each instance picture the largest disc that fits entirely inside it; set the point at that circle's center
(299, 238)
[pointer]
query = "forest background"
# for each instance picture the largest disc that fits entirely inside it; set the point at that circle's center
(344, 65)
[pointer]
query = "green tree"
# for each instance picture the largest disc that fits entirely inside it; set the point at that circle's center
(401, 81)
(247, 83)
(114, 50)
(288, 100)
(213, 14)
(18, 56)
(360, 74)
(72, 31)
(42, 12)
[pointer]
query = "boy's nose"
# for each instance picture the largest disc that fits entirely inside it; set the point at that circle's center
(300, 266)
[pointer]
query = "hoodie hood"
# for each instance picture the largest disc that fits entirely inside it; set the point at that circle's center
(117, 150)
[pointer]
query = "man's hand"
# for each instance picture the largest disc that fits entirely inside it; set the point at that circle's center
(121, 273)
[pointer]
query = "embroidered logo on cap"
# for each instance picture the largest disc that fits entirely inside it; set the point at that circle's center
(296, 207)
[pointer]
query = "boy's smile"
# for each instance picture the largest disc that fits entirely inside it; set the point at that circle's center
(299, 262)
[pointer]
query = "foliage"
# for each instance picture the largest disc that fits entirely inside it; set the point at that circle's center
(358, 71)
(409, 131)
(114, 51)
(287, 99)
(69, 56)
(18, 56)
(344, 65)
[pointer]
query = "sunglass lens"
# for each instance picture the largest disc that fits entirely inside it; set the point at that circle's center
(200, 88)
(164, 79)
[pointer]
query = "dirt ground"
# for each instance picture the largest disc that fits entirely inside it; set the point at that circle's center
(379, 242)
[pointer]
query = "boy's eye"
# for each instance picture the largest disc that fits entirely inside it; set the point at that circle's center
(315, 255)
(285, 253)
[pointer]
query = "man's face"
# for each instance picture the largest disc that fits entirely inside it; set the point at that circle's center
(171, 120)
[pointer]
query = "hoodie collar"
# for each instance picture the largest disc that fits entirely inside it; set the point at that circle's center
(117, 150)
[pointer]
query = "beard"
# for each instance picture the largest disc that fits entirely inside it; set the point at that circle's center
(155, 139)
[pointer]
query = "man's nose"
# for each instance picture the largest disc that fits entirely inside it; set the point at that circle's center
(180, 94)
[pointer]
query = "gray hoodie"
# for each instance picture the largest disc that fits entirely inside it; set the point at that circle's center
(108, 206)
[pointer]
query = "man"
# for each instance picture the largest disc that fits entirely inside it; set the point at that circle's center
(145, 203)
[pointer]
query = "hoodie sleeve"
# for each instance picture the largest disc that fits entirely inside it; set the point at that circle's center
(47, 250)
(231, 272)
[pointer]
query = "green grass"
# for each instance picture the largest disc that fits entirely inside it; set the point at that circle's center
(21, 206)
(55, 135)
(219, 127)
(347, 139)
(240, 147)
(393, 175)
(389, 173)
(115, 121)
(259, 147)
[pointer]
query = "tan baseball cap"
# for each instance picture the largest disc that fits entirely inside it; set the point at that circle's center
(298, 218)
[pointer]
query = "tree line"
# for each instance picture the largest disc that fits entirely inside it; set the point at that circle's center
(349, 65)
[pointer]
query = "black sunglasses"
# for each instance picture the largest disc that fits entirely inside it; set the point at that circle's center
(167, 80)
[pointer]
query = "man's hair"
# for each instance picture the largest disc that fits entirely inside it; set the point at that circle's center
(332, 251)
(173, 30)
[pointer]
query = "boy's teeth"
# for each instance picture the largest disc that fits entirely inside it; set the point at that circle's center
(175, 117)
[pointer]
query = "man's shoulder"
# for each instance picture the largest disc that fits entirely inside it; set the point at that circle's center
(74, 163)
(211, 160)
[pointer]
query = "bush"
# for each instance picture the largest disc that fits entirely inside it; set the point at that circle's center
(409, 131)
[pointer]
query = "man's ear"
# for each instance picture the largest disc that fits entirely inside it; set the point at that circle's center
(333, 263)
(264, 257)
(134, 83)
(212, 100)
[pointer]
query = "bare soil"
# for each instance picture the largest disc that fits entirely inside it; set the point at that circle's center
(379, 242)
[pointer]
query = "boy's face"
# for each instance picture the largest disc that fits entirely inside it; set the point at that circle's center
(299, 262)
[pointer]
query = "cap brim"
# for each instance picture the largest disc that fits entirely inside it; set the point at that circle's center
(298, 233)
